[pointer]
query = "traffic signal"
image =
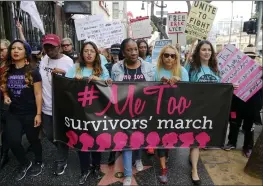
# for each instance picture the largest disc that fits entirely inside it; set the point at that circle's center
(250, 27)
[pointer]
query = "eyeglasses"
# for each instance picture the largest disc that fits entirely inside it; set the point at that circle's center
(166, 55)
(65, 45)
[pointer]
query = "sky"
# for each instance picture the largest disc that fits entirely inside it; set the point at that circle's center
(240, 8)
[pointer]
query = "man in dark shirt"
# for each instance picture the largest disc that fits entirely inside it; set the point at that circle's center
(67, 47)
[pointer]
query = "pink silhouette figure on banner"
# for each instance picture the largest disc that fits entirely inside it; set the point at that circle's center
(136, 140)
(104, 141)
(203, 138)
(152, 139)
(73, 138)
(120, 139)
(87, 141)
(169, 140)
(187, 139)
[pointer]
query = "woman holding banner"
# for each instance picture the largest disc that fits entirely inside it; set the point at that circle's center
(169, 70)
(131, 69)
(91, 68)
(202, 68)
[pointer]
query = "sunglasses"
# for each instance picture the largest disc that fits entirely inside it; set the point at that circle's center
(166, 55)
(66, 45)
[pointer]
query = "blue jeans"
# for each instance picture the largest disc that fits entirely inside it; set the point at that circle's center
(127, 160)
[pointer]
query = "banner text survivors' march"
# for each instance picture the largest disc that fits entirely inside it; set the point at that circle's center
(125, 124)
(136, 107)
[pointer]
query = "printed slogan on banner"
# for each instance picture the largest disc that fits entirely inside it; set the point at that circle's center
(140, 115)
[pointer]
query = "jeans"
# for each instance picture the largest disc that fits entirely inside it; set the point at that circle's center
(15, 125)
(127, 160)
(62, 149)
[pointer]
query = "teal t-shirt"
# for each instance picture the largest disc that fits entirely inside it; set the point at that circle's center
(205, 75)
(148, 59)
(103, 60)
(87, 72)
(168, 74)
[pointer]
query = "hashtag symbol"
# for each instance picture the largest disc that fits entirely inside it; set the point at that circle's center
(87, 96)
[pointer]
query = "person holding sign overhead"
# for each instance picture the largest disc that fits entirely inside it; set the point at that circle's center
(169, 70)
(90, 67)
(202, 68)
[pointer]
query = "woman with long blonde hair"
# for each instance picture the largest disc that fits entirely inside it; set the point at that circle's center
(169, 70)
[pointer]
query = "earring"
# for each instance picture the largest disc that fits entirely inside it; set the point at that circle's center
(26, 62)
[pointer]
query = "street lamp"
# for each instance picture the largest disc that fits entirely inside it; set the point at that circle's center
(162, 7)
(142, 6)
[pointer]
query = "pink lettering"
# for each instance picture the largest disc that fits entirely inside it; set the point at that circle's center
(104, 141)
(128, 103)
(87, 141)
(153, 90)
(180, 107)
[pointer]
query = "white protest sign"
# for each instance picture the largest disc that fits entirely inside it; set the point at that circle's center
(158, 45)
(141, 29)
(200, 20)
(176, 22)
(87, 23)
(236, 67)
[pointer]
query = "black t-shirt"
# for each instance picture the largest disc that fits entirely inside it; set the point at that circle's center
(131, 75)
(73, 55)
(22, 97)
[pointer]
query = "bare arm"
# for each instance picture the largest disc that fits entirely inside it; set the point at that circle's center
(20, 30)
(38, 96)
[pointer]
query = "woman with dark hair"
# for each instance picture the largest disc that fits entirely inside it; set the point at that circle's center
(202, 68)
(144, 50)
(131, 69)
(90, 67)
(21, 86)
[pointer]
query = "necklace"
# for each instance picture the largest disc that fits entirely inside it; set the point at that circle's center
(128, 75)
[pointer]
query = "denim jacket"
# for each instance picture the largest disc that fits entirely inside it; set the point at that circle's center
(117, 72)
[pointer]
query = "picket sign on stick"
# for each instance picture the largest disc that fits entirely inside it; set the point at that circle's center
(200, 20)
(141, 27)
(238, 68)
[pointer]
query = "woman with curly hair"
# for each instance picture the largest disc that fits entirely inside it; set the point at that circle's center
(202, 68)
(89, 67)
(21, 86)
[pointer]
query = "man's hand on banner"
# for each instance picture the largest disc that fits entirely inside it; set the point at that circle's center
(37, 120)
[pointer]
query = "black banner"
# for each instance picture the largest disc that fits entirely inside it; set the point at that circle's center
(93, 116)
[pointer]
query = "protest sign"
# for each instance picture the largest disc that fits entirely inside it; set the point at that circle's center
(238, 68)
(141, 27)
(176, 22)
(158, 45)
(200, 20)
(102, 33)
(139, 115)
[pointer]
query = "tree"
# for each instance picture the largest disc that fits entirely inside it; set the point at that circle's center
(254, 166)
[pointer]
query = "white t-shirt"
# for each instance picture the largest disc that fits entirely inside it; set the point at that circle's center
(45, 68)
